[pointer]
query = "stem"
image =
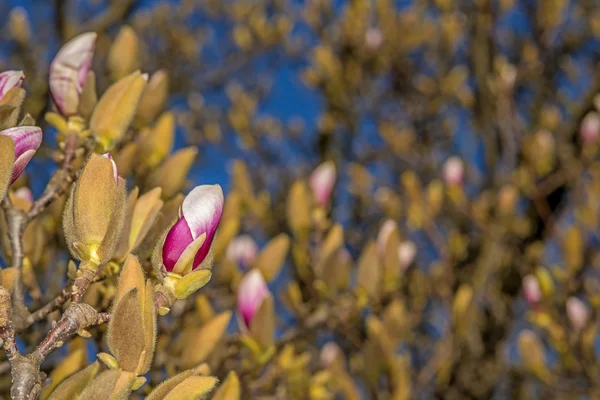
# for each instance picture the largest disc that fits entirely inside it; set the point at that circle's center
(85, 277)
(53, 305)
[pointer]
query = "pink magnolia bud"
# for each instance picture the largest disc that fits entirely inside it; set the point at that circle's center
(531, 289)
(251, 293)
(10, 79)
(242, 250)
(200, 213)
(387, 228)
(373, 38)
(590, 128)
(69, 70)
(24, 193)
(329, 353)
(577, 312)
(114, 166)
(322, 181)
(407, 251)
(27, 140)
(454, 171)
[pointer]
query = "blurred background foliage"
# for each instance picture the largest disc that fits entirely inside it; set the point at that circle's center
(471, 124)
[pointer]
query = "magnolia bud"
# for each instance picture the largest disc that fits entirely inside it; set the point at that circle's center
(188, 243)
(251, 293)
(154, 97)
(590, 128)
(454, 171)
(114, 166)
(577, 312)
(531, 289)
(18, 25)
(9, 80)
(123, 56)
(373, 38)
(242, 250)
(93, 216)
(407, 251)
(322, 181)
(27, 140)
(387, 228)
(116, 108)
(330, 353)
(69, 70)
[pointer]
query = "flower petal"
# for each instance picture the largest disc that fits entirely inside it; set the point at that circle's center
(251, 292)
(177, 240)
(69, 70)
(10, 79)
(27, 140)
(242, 250)
(114, 165)
(202, 209)
(322, 181)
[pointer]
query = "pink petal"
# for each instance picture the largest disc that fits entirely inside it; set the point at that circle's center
(202, 209)
(69, 70)
(27, 140)
(590, 128)
(177, 240)
(242, 250)
(114, 166)
(322, 181)
(251, 292)
(454, 171)
(531, 289)
(577, 312)
(25, 194)
(10, 79)
(406, 253)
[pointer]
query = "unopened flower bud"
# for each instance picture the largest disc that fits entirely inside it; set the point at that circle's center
(532, 290)
(9, 80)
(114, 166)
(27, 140)
(329, 354)
(386, 230)
(18, 25)
(373, 38)
(251, 293)
(69, 70)
(454, 171)
(242, 250)
(577, 312)
(123, 56)
(94, 214)
(407, 251)
(590, 128)
(115, 110)
(188, 243)
(322, 181)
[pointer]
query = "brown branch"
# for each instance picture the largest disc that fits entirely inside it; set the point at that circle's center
(61, 180)
(53, 305)
(76, 317)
